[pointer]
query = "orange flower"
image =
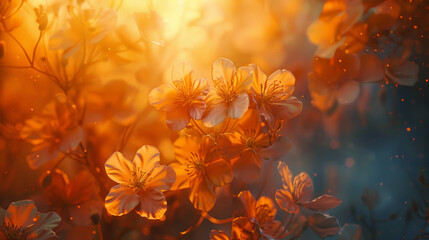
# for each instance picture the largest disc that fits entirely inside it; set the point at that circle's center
(200, 168)
(183, 100)
(336, 80)
(298, 193)
(262, 213)
(76, 201)
(21, 220)
(141, 183)
(328, 32)
(56, 130)
(273, 95)
(230, 92)
(248, 145)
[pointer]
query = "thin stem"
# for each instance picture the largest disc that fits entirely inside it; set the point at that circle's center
(197, 224)
(215, 220)
(100, 233)
(35, 48)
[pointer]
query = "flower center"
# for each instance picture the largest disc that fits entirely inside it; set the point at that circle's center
(248, 138)
(264, 214)
(194, 165)
(273, 92)
(186, 91)
(225, 90)
(139, 180)
(11, 232)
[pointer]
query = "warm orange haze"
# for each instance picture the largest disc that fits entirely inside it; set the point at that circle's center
(187, 119)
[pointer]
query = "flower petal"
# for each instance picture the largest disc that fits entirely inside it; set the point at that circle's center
(249, 203)
(219, 173)
(21, 213)
(44, 225)
(285, 200)
(162, 178)
(283, 78)
(218, 235)
(223, 69)
(243, 228)
(286, 175)
(41, 155)
(259, 78)
(275, 229)
(202, 194)
(239, 106)
(121, 200)
(242, 80)
(162, 96)
(278, 150)
(303, 187)
(247, 168)
(182, 178)
(177, 117)
(146, 158)
(216, 113)
(322, 203)
(72, 139)
(348, 92)
(152, 204)
(288, 108)
(324, 225)
(180, 72)
(196, 109)
(118, 168)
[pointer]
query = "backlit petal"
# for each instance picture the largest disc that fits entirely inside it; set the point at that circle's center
(285, 200)
(248, 202)
(161, 97)
(322, 203)
(223, 69)
(162, 178)
(287, 109)
(118, 168)
(239, 106)
(146, 158)
(202, 194)
(247, 168)
(216, 113)
(303, 187)
(242, 80)
(21, 213)
(259, 78)
(219, 172)
(177, 117)
(121, 200)
(152, 204)
(286, 175)
(196, 109)
(218, 235)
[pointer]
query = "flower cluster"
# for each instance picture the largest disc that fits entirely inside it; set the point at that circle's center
(106, 128)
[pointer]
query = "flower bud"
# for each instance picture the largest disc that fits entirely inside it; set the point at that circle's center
(42, 18)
